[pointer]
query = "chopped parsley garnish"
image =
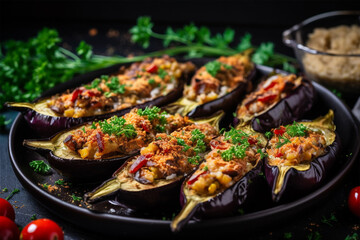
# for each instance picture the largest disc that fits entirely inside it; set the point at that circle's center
(296, 130)
(155, 113)
(115, 86)
(182, 143)
(236, 136)
(117, 127)
(76, 198)
(162, 73)
(151, 81)
(214, 66)
(40, 166)
(93, 125)
(268, 135)
(238, 151)
(33, 217)
(240, 139)
(60, 182)
(94, 84)
(282, 141)
(329, 220)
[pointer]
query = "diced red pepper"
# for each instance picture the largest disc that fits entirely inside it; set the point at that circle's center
(138, 163)
(280, 131)
(271, 85)
(193, 178)
(145, 127)
(90, 93)
(75, 94)
(152, 68)
(215, 144)
(279, 154)
(252, 141)
(267, 98)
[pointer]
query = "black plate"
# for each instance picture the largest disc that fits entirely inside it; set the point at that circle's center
(127, 222)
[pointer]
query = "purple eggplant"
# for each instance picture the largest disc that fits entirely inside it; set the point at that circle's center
(278, 100)
(154, 176)
(215, 86)
(294, 173)
(222, 182)
(47, 120)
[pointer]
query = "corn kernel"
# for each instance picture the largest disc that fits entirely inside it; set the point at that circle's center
(69, 112)
(212, 188)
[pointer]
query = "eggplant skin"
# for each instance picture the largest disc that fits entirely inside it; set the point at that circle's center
(226, 102)
(46, 126)
(228, 202)
(299, 183)
(287, 110)
(143, 199)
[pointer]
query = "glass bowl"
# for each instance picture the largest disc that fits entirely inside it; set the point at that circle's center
(331, 59)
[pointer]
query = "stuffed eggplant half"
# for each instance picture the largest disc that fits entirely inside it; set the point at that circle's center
(154, 176)
(220, 184)
(300, 156)
(94, 149)
(156, 82)
(215, 86)
(278, 100)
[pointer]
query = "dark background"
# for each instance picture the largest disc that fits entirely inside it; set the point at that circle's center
(265, 20)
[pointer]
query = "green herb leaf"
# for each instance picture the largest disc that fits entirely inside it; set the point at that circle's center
(141, 33)
(12, 193)
(40, 166)
(84, 50)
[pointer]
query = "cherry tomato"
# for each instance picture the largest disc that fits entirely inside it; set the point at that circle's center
(354, 201)
(8, 229)
(42, 229)
(152, 68)
(6, 209)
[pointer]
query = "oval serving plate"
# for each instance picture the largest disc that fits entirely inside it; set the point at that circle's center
(116, 220)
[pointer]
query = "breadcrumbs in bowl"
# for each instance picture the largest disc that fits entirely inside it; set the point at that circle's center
(328, 48)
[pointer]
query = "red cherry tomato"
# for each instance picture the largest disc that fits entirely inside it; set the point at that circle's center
(6, 209)
(354, 201)
(8, 229)
(42, 229)
(152, 68)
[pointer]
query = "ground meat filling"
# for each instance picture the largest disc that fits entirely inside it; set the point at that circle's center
(268, 93)
(170, 156)
(122, 135)
(139, 83)
(217, 78)
(219, 171)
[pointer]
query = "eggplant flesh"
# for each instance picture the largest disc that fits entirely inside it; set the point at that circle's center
(291, 181)
(297, 102)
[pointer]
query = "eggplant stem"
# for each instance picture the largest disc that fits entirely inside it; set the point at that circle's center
(105, 189)
(184, 216)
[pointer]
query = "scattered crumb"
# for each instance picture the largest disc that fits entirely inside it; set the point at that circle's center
(112, 33)
(93, 32)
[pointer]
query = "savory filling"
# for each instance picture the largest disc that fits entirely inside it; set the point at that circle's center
(233, 155)
(171, 156)
(218, 78)
(267, 94)
(294, 144)
(137, 84)
(122, 135)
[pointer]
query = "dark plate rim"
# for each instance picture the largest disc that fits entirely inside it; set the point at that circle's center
(272, 213)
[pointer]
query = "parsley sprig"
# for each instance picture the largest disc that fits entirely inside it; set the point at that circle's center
(40, 166)
(117, 126)
(198, 41)
(197, 137)
(154, 113)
